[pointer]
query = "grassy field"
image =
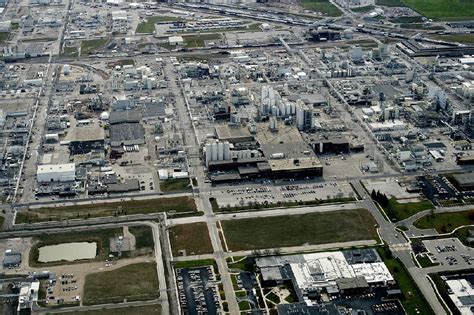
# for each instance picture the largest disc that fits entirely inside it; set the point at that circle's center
(135, 282)
(70, 51)
(198, 40)
(131, 310)
(413, 300)
(143, 236)
(91, 45)
(390, 3)
(178, 184)
(149, 25)
(363, 9)
(176, 204)
(407, 19)
(297, 230)
(446, 222)
(323, 6)
(399, 211)
(459, 38)
(4, 36)
(443, 10)
(194, 238)
(102, 238)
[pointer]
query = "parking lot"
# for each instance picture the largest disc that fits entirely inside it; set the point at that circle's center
(197, 294)
(449, 251)
(243, 195)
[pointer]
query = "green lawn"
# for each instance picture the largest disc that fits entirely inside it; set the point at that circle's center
(194, 263)
(443, 10)
(198, 40)
(193, 237)
(297, 230)
(446, 222)
(390, 3)
(323, 6)
(175, 204)
(91, 45)
(149, 25)
(102, 238)
(425, 261)
(399, 211)
(130, 310)
(407, 19)
(135, 282)
(175, 184)
(413, 300)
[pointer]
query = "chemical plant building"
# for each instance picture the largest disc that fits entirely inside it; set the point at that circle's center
(461, 292)
(332, 282)
(56, 173)
(264, 150)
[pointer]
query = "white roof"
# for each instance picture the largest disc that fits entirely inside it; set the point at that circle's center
(48, 168)
(467, 60)
(175, 39)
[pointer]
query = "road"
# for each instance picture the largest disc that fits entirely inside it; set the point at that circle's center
(400, 249)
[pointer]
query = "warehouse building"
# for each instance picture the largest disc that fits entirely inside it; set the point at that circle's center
(56, 173)
(126, 134)
(12, 259)
(86, 138)
(464, 181)
(125, 128)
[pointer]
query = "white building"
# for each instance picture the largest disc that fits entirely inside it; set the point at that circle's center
(176, 40)
(56, 173)
(462, 295)
(28, 295)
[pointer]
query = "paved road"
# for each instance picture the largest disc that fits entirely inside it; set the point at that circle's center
(401, 249)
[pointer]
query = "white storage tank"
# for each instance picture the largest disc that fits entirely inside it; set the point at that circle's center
(104, 116)
(226, 151)
(66, 69)
(214, 152)
(220, 151)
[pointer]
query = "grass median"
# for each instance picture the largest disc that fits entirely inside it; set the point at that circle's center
(136, 282)
(154, 309)
(299, 230)
(147, 206)
(413, 300)
(445, 222)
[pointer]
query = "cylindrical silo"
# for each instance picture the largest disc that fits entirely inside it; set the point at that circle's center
(214, 152)
(220, 151)
(226, 151)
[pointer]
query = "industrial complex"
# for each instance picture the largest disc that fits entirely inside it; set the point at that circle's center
(237, 157)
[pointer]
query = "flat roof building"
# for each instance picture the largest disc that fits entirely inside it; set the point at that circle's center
(56, 173)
